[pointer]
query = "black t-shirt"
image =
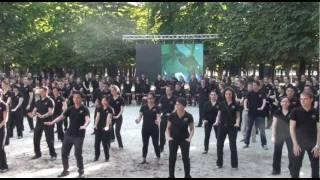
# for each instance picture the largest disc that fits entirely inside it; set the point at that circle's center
(103, 117)
(7, 95)
(116, 105)
(58, 108)
(127, 87)
(15, 100)
(167, 105)
(25, 92)
(255, 101)
(102, 94)
(66, 91)
(159, 84)
(228, 115)
(77, 119)
(203, 94)
(78, 87)
(294, 103)
(211, 112)
(3, 108)
(283, 124)
(43, 106)
(180, 126)
(138, 88)
(306, 126)
(180, 94)
(149, 116)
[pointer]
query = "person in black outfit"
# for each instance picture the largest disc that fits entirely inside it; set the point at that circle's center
(44, 110)
(100, 94)
(305, 135)
(179, 92)
(28, 101)
(117, 103)
(150, 127)
(203, 99)
(127, 95)
(211, 109)
(228, 120)
(180, 131)
(102, 127)
(60, 105)
(167, 105)
(3, 133)
(7, 99)
(160, 87)
(255, 104)
(193, 90)
(294, 101)
(16, 113)
(79, 120)
(138, 91)
(281, 135)
(86, 89)
(95, 85)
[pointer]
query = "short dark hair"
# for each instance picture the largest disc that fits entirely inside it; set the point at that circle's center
(78, 93)
(152, 94)
(182, 101)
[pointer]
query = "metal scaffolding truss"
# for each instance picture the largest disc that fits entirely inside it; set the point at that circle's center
(171, 37)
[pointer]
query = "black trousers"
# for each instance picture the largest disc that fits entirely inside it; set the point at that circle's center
(185, 150)
(3, 157)
(260, 123)
(49, 133)
(154, 134)
(16, 120)
(201, 112)
(30, 120)
(60, 131)
(68, 143)
(118, 123)
(9, 124)
(297, 163)
(207, 133)
(102, 136)
(127, 97)
(232, 134)
(277, 154)
(163, 128)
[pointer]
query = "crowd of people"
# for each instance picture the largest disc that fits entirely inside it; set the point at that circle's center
(228, 106)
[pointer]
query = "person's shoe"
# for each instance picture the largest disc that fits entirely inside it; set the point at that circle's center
(112, 140)
(188, 177)
(161, 150)
(20, 137)
(4, 170)
(81, 175)
(265, 147)
(64, 174)
(246, 146)
(274, 173)
(106, 160)
(219, 167)
(35, 157)
(205, 152)
(96, 159)
(143, 162)
(53, 158)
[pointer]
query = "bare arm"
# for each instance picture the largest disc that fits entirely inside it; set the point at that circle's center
(169, 126)
(191, 129)
(138, 120)
(97, 120)
(274, 127)
(87, 121)
(263, 104)
(30, 98)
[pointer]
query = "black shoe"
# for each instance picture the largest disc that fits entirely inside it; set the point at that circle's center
(35, 157)
(53, 158)
(4, 170)
(81, 175)
(64, 174)
(246, 146)
(143, 162)
(275, 172)
(20, 137)
(205, 152)
(188, 177)
(96, 159)
(161, 150)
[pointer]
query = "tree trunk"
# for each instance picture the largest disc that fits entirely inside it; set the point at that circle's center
(302, 68)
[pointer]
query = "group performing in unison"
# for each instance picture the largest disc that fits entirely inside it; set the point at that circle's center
(236, 108)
